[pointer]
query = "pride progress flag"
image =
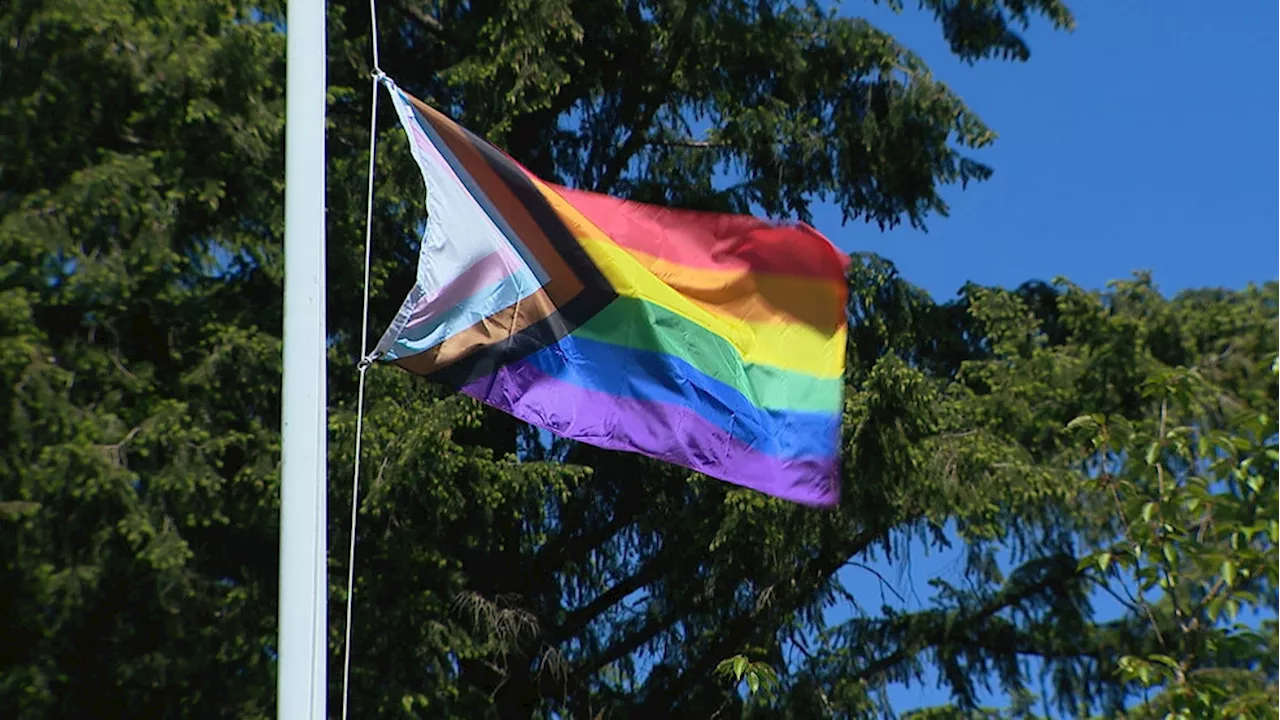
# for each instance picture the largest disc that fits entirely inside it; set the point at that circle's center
(712, 341)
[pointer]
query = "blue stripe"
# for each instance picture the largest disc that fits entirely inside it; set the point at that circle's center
(658, 377)
(424, 335)
(477, 192)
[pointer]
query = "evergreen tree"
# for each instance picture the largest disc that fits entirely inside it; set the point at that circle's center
(141, 172)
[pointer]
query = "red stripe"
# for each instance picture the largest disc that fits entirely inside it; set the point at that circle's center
(711, 240)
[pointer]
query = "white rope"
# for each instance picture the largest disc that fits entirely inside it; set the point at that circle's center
(365, 360)
(351, 557)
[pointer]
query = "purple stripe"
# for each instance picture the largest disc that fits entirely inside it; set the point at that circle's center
(664, 431)
(484, 273)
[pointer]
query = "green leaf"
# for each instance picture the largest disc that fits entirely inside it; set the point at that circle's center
(1214, 608)
(1085, 422)
(1153, 452)
(1229, 572)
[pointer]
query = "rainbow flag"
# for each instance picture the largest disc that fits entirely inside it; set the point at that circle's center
(712, 341)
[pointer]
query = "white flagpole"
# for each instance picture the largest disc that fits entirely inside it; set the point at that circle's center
(303, 620)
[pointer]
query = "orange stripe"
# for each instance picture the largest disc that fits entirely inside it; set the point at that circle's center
(756, 297)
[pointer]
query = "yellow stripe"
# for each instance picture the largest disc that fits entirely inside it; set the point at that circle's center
(795, 347)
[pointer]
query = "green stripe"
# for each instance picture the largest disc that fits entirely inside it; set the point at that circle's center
(644, 326)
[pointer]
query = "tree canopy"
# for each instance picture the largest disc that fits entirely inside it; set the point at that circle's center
(1116, 441)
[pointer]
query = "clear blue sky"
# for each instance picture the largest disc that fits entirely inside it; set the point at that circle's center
(1146, 139)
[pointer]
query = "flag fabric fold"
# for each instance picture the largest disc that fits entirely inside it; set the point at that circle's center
(712, 341)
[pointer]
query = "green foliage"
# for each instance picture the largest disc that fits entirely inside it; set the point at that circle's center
(1196, 505)
(137, 410)
(760, 678)
(140, 287)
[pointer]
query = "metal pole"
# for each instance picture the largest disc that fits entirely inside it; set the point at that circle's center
(303, 535)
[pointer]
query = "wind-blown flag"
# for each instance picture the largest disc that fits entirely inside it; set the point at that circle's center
(712, 341)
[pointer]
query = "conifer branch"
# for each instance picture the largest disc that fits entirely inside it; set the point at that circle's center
(954, 629)
(418, 16)
(652, 104)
